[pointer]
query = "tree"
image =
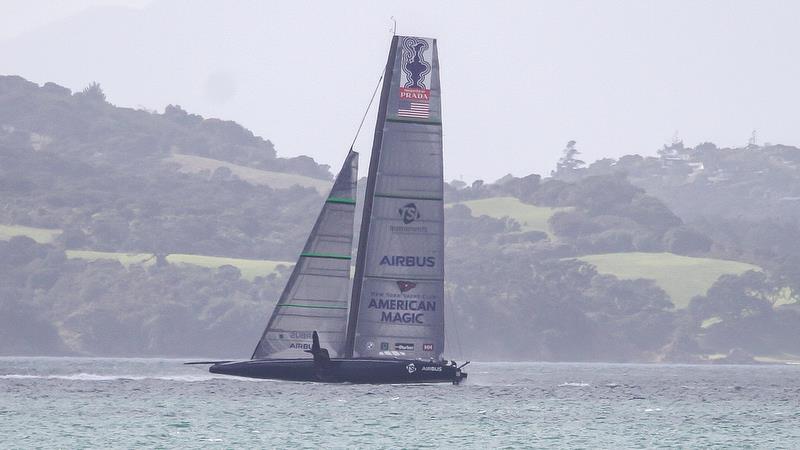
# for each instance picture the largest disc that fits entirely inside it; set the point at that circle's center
(93, 92)
(685, 241)
(568, 164)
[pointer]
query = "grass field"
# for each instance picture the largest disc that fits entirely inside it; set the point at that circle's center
(682, 277)
(40, 235)
(126, 259)
(530, 217)
(250, 268)
(277, 180)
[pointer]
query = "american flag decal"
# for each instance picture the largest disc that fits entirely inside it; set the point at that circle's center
(414, 103)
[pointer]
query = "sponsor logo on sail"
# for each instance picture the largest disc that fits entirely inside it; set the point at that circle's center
(406, 286)
(411, 368)
(370, 345)
(392, 307)
(384, 346)
(301, 334)
(404, 347)
(300, 345)
(415, 95)
(427, 347)
(405, 229)
(408, 261)
(409, 213)
(402, 305)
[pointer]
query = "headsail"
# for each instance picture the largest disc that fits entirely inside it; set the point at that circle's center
(318, 291)
(397, 305)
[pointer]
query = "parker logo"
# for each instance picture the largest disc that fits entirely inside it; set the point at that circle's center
(409, 213)
(427, 347)
(406, 286)
(406, 347)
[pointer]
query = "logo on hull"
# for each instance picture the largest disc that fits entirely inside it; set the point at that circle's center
(411, 368)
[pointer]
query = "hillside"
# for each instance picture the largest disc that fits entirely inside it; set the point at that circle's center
(249, 269)
(123, 180)
(127, 232)
(275, 180)
(752, 182)
(681, 277)
(530, 217)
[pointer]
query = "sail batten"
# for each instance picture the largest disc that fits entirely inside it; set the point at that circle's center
(317, 293)
(397, 306)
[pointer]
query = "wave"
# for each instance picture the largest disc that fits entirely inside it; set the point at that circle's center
(573, 385)
(99, 377)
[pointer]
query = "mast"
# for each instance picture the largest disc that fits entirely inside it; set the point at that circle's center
(397, 304)
(368, 200)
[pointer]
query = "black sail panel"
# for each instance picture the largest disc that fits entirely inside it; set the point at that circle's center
(397, 306)
(317, 294)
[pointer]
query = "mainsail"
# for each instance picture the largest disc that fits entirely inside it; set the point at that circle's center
(318, 291)
(397, 305)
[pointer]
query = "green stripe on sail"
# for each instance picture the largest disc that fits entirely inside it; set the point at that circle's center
(417, 122)
(325, 255)
(346, 201)
(313, 306)
(408, 197)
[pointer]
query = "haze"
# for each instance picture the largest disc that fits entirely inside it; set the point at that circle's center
(519, 79)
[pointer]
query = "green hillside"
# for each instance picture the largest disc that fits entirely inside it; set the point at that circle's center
(161, 190)
(530, 217)
(250, 268)
(126, 259)
(275, 180)
(682, 277)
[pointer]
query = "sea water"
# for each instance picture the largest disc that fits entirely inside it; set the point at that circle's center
(126, 403)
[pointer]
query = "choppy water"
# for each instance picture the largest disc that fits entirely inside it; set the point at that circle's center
(102, 403)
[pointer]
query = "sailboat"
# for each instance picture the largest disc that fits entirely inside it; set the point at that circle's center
(387, 326)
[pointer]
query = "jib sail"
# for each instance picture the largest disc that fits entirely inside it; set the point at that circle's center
(318, 291)
(397, 305)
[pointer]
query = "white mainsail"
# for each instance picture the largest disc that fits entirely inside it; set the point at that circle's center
(397, 307)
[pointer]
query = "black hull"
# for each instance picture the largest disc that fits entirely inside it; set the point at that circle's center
(371, 371)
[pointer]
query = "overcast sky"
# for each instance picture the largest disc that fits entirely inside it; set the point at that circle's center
(519, 79)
